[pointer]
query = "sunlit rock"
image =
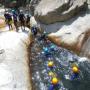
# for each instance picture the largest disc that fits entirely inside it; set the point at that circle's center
(33, 22)
(48, 11)
(5, 75)
(85, 51)
(72, 36)
(14, 60)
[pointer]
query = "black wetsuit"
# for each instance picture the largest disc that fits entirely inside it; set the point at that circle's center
(5, 15)
(28, 21)
(15, 20)
(34, 31)
(9, 21)
(22, 19)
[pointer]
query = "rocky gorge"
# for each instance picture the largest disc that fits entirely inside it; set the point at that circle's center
(24, 57)
(67, 21)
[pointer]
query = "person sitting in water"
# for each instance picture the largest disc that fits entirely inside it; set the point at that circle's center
(75, 72)
(34, 30)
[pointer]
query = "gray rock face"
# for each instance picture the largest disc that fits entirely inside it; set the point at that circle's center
(72, 34)
(88, 2)
(86, 49)
(48, 11)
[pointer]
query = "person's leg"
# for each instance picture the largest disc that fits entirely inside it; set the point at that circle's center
(5, 20)
(21, 24)
(15, 24)
(8, 23)
(9, 26)
(28, 24)
(24, 24)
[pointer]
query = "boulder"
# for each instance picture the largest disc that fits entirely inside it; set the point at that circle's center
(72, 36)
(88, 2)
(33, 22)
(14, 61)
(48, 11)
(85, 51)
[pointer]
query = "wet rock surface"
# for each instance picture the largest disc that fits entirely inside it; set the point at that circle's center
(14, 67)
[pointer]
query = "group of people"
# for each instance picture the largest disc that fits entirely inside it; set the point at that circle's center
(17, 19)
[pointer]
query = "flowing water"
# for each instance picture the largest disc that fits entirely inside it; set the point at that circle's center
(63, 61)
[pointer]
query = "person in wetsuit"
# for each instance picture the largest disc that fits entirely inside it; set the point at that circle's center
(5, 15)
(9, 20)
(15, 20)
(28, 21)
(22, 20)
(34, 30)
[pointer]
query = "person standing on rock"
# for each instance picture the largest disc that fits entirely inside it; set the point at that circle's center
(5, 15)
(15, 20)
(9, 20)
(28, 21)
(22, 20)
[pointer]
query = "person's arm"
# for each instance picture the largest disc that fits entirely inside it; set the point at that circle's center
(24, 17)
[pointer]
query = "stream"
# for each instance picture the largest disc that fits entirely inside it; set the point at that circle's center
(63, 61)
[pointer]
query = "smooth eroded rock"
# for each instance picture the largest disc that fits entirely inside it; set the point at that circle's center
(85, 51)
(48, 11)
(14, 60)
(73, 36)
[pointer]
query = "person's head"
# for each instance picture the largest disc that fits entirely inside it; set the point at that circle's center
(21, 11)
(27, 15)
(6, 12)
(13, 11)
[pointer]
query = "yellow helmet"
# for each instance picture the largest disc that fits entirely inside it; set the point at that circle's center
(75, 69)
(54, 81)
(50, 64)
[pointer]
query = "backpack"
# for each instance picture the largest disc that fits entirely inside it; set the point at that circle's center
(34, 30)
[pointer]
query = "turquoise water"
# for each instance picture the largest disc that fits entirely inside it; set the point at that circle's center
(63, 61)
